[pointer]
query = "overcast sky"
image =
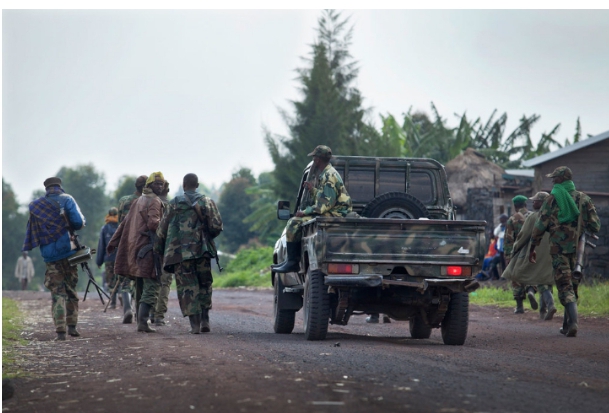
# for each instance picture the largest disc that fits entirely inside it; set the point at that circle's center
(179, 91)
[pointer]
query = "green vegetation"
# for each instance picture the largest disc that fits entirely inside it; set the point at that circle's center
(593, 298)
(11, 329)
(250, 268)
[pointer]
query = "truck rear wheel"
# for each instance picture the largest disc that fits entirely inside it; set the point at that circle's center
(418, 328)
(284, 319)
(396, 205)
(456, 319)
(316, 306)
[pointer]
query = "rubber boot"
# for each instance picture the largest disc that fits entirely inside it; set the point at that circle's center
(549, 300)
(373, 318)
(565, 322)
(543, 307)
(195, 323)
(519, 308)
(205, 321)
(293, 260)
(127, 311)
(60, 337)
(531, 297)
(572, 311)
(142, 319)
(73, 332)
(112, 305)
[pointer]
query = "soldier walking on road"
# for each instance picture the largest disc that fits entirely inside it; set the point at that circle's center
(565, 214)
(48, 229)
(330, 198)
(185, 240)
(103, 258)
(133, 241)
(160, 309)
(126, 285)
(24, 270)
(512, 229)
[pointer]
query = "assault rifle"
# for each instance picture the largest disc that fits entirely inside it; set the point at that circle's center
(579, 259)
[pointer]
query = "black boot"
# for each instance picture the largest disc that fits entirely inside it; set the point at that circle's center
(519, 308)
(572, 311)
(565, 322)
(61, 337)
(205, 321)
(531, 297)
(195, 323)
(112, 305)
(543, 307)
(127, 311)
(293, 260)
(142, 318)
(549, 300)
(73, 332)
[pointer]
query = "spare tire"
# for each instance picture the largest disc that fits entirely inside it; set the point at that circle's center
(396, 205)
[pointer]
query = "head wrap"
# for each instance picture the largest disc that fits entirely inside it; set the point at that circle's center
(519, 199)
(154, 177)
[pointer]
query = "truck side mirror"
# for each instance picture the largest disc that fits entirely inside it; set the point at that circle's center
(283, 210)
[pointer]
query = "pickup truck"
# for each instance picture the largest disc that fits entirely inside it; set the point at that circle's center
(400, 253)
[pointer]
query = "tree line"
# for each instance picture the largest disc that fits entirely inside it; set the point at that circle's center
(330, 111)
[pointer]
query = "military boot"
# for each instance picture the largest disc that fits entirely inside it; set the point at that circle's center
(531, 297)
(549, 300)
(73, 332)
(543, 308)
(292, 262)
(142, 319)
(205, 321)
(373, 318)
(572, 327)
(195, 323)
(519, 308)
(112, 305)
(60, 337)
(159, 321)
(127, 311)
(565, 322)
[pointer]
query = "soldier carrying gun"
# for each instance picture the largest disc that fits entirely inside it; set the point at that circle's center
(133, 242)
(47, 229)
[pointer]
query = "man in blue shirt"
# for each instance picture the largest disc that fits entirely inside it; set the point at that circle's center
(47, 228)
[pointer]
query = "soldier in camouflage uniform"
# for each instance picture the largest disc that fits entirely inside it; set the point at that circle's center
(126, 285)
(513, 227)
(565, 214)
(329, 198)
(166, 278)
(185, 240)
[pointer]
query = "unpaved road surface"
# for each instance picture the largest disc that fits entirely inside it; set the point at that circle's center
(509, 363)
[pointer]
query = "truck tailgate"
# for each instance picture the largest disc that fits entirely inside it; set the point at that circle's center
(398, 241)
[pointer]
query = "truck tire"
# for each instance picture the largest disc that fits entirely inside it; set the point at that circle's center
(316, 307)
(284, 319)
(418, 328)
(397, 205)
(454, 325)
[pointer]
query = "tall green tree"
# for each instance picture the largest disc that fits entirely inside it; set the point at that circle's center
(126, 186)
(330, 111)
(235, 205)
(13, 234)
(263, 220)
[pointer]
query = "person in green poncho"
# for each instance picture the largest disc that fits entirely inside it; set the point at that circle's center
(564, 214)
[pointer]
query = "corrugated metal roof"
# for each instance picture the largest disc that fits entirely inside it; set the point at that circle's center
(566, 150)
(521, 172)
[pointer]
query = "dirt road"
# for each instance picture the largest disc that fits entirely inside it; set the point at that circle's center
(509, 363)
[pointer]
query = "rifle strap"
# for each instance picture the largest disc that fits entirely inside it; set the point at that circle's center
(196, 207)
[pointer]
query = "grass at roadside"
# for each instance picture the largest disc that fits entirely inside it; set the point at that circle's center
(11, 336)
(593, 298)
(250, 268)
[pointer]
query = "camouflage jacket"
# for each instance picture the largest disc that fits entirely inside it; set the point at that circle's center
(330, 198)
(125, 203)
(181, 235)
(564, 237)
(513, 227)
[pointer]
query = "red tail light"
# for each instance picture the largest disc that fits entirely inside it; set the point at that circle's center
(454, 271)
(343, 268)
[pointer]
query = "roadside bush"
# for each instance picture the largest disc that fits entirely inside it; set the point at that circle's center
(249, 268)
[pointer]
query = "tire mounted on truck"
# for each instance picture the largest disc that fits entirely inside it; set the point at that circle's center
(316, 306)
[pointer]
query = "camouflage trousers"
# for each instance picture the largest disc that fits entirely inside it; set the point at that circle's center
(563, 265)
(161, 304)
(293, 231)
(520, 290)
(146, 291)
(194, 280)
(61, 278)
(543, 287)
(125, 284)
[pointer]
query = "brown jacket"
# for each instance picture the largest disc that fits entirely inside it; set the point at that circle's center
(130, 237)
